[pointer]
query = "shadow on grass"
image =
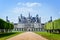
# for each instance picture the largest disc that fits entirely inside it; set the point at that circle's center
(5, 34)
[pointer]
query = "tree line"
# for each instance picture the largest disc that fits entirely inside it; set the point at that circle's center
(53, 26)
(5, 26)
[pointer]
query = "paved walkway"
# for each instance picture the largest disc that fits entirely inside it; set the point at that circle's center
(27, 36)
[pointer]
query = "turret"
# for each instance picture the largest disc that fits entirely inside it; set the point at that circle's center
(37, 18)
(7, 19)
(40, 19)
(36, 15)
(21, 15)
(51, 18)
(29, 16)
(19, 20)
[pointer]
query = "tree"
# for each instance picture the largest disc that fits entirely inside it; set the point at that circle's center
(53, 26)
(5, 26)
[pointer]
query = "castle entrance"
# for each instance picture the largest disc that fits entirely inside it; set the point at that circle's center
(29, 29)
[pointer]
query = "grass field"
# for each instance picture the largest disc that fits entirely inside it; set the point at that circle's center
(5, 36)
(49, 36)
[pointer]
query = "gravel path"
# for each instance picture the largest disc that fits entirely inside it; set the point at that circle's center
(27, 36)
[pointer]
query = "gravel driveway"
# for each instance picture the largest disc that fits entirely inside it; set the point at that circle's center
(27, 36)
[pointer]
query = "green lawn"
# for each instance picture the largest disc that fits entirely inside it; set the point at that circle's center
(49, 36)
(5, 36)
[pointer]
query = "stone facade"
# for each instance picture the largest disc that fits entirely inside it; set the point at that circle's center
(29, 27)
(28, 24)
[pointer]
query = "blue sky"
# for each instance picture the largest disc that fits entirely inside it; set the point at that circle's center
(44, 8)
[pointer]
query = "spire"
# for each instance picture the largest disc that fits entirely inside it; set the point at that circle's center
(19, 20)
(37, 15)
(51, 18)
(7, 19)
(21, 15)
(29, 15)
(40, 19)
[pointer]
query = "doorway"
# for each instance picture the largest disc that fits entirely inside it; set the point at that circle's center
(29, 29)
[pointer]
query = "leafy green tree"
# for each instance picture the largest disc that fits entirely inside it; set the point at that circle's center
(54, 25)
(5, 26)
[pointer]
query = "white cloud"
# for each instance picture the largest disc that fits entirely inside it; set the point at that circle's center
(28, 4)
(25, 8)
(33, 4)
(34, 8)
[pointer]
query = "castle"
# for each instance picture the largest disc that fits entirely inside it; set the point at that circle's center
(29, 23)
